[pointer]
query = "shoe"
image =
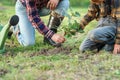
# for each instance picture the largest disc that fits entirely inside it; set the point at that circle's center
(51, 42)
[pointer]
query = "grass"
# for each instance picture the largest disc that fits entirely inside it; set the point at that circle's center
(41, 62)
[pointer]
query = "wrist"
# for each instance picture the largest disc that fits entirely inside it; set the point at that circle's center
(116, 44)
(49, 34)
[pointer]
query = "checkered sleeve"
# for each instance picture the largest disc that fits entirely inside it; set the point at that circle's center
(116, 14)
(118, 35)
(34, 18)
(91, 15)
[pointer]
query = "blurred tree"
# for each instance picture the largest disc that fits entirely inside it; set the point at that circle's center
(74, 3)
(8, 2)
(80, 3)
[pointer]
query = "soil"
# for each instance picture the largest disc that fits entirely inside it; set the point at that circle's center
(3, 72)
(56, 50)
(48, 51)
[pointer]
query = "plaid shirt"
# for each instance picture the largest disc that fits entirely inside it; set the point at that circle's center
(98, 11)
(32, 7)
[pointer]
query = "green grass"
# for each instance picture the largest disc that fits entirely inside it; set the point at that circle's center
(31, 63)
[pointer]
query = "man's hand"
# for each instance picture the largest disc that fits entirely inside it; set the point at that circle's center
(116, 49)
(52, 4)
(58, 38)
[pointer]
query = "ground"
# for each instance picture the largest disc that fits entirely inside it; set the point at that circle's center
(44, 62)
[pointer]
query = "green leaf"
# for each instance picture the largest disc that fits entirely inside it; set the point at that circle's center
(77, 14)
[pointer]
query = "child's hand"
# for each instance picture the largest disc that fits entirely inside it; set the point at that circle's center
(58, 38)
(116, 49)
(52, 4)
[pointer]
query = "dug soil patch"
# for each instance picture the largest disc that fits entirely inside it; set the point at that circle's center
(62, 50)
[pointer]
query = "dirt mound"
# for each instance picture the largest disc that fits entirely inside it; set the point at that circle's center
(64, 50)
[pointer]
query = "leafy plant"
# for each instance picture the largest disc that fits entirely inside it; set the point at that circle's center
(73, 26)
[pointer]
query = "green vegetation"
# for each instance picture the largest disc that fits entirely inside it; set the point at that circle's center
(72, 2)
(44, 62)
(79, 3)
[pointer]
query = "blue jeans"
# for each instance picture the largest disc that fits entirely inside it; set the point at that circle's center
(103, 34)
(27, 31)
